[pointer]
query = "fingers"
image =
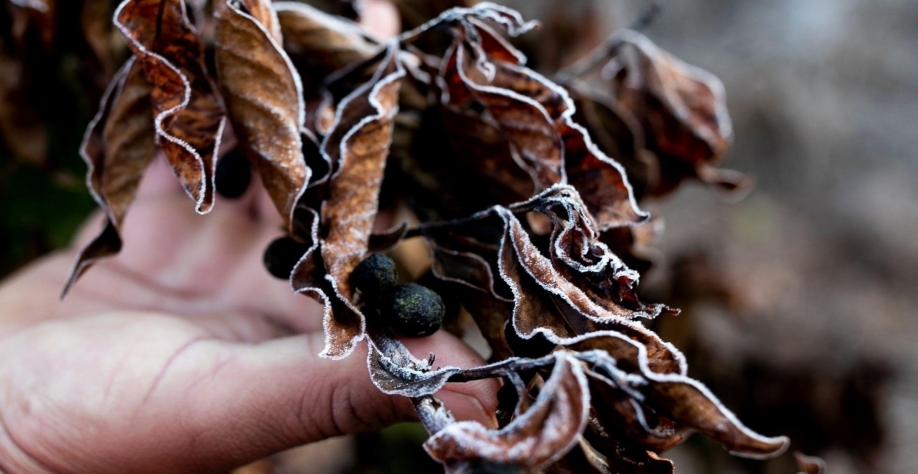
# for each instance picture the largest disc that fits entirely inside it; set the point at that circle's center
(280, 394)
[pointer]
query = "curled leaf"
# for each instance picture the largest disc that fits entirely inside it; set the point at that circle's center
(264, 98)
(396, 372)
(188, 113)
(118, 146)
(535, 116)
(580, 287)
(683, 111)
(538, 437)
(680, 398)
(355, 149)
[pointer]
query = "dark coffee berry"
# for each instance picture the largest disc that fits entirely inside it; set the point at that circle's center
(375, 276)
(281, 256)
(233, 174)
(412, 310)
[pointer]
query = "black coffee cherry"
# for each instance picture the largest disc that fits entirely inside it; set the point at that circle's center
(375, 276)
(281, 256)
(412, 310)
(233, 174)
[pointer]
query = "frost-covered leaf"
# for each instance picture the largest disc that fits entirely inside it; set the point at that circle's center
(809, 464)
(683, 111)
(678, 397)
(264, 98)
(523, 122)
(579, 287)
(396, 372)
(534, 115)
(355, 149)
(618, 133)
(188, 113)
(118, 145)
(541, 435)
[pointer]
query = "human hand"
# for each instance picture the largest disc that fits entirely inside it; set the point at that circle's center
(182, 354)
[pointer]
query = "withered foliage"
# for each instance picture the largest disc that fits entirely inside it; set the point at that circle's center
(527, 189)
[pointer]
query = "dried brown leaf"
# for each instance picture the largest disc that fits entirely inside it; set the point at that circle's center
(581, 287)
(535, 116)
(189, 115)
(355, 149)
(540, 436)
(118, 145)
(396, 372)
(680, 398)
(683, 111)
(264, 98)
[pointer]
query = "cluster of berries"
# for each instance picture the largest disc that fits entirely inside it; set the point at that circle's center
(409, 309)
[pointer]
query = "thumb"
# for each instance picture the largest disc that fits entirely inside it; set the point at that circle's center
(280, 394)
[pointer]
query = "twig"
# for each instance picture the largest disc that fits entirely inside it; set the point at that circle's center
(502, 368)
(432, 414)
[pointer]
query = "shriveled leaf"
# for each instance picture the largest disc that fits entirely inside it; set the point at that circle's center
(356, 149)
(118, 145)
(535, 116)
(618, 412)
(264, 98)
(809, 464)
(680, 398)
(541, 435)
(618, 133)
(581, 287)
(396, 372)
(683, 111)
(188, 113)
(524, 123)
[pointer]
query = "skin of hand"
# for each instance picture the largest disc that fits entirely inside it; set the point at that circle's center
(182, 354)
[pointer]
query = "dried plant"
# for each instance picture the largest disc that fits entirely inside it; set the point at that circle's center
(527, 189)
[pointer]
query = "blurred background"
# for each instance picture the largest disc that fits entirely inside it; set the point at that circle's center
(799, 300)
